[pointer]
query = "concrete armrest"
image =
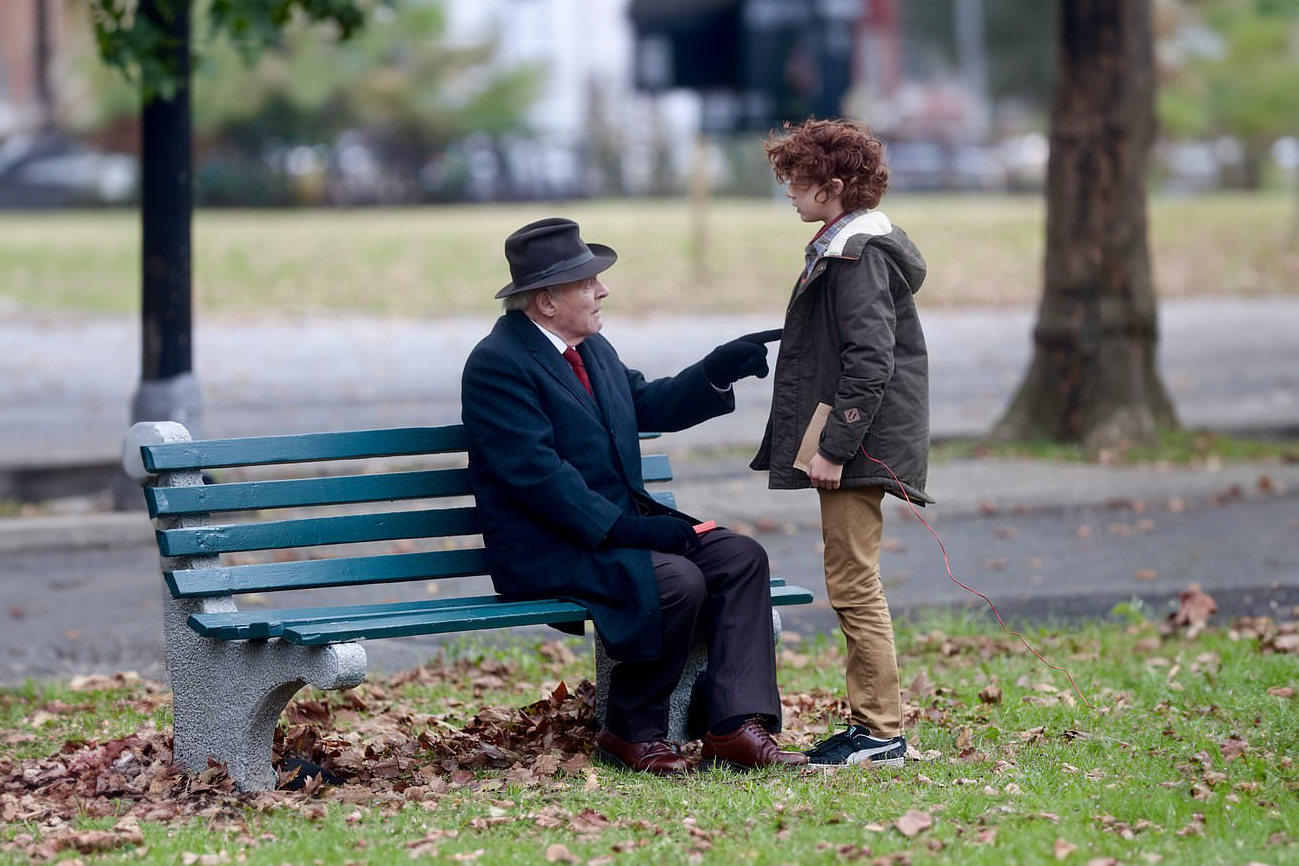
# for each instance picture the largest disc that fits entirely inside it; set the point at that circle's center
(147, 433)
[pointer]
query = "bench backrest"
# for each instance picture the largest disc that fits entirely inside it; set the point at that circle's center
(447, 512)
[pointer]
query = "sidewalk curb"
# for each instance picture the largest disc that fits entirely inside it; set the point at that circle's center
(75, 532)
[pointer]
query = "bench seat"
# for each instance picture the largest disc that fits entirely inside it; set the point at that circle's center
(312, 626)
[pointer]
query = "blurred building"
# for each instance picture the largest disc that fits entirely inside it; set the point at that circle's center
(41, 165)
(29, 34)
(630, 84)
(592, 133)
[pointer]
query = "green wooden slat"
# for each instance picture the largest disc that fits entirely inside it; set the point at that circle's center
(786, 595)
(316, 573)
(339, 490)
(498, 615)
(655, 467)
(302, 448)
(501, 614)
(664, 497)
(354, 622)
(305, 492)
(262, 624)
(307, 447)
(311, 531)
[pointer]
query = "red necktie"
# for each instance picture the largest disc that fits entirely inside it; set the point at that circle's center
(575, 361)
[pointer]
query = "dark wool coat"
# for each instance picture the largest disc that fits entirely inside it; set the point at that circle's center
(552, 470)
(852, 340)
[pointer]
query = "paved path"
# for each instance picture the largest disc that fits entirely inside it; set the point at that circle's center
(66, 385)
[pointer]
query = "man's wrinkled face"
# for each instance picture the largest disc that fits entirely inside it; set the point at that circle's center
(574, 312)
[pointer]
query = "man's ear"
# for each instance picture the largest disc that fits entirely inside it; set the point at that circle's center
(544, 302)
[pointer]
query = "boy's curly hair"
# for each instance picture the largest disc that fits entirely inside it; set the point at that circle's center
(817, 151)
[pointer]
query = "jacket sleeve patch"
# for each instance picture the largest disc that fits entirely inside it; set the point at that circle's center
(852, 415)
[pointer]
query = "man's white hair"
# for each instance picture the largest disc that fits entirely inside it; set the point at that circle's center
(523, 300)
(518, 300)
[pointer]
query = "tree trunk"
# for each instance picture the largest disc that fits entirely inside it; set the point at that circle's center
(1093, 378)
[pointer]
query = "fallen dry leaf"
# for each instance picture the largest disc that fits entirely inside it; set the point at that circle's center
(1063, 849)
(1233, 748)
(558, 853)
(913, 823)
(1194, 607)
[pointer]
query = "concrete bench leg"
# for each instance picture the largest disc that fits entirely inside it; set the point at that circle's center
(683, 724)
(228, 695)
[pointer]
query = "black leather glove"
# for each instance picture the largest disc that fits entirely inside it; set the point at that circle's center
(662, 532)
(730, 362)
(763, 336)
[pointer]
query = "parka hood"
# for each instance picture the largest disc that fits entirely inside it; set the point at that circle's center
(873, 227)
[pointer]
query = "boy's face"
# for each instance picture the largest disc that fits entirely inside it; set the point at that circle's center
(816, 203)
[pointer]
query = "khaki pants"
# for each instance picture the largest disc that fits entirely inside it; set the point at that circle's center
(852, 525)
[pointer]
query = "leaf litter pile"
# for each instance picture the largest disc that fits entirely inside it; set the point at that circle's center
(377, 747)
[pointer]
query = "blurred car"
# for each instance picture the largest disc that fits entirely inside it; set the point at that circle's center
(1024, 158)
(52, 170)
(931, 166)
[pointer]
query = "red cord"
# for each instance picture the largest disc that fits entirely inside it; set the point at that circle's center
(948, 564)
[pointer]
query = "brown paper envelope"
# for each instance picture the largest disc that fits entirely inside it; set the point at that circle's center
(812, 437)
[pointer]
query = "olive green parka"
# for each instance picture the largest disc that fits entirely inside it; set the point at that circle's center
(852, 341)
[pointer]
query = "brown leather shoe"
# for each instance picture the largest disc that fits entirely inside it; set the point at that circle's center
(748, 748)
(656, 756)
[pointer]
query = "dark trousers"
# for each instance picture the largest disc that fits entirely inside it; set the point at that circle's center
(720, 594)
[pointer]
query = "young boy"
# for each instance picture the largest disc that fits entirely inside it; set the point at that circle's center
(850, 407)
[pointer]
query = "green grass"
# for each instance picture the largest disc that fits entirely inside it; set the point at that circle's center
(1180, 447)
(436, 261)
(1184, 756)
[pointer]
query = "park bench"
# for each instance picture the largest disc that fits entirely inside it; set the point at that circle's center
(234, 670)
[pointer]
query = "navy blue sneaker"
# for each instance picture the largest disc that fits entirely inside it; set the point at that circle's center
(857, 746)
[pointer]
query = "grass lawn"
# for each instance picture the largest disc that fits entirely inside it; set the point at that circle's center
(1185, 756)
(982, 250)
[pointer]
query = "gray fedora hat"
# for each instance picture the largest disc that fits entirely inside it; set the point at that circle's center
(549, 252)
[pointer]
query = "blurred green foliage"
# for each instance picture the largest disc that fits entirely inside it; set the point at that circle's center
(1231, 67)
(279, 69)
(140, 46)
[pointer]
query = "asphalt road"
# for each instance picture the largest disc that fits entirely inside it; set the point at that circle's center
(98, 609)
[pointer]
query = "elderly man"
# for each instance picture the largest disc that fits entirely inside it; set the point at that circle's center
(552, 416)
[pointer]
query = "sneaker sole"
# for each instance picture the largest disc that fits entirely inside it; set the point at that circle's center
(893, 763)
(861, 759)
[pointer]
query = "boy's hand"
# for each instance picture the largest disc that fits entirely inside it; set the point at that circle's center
(824, 474)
